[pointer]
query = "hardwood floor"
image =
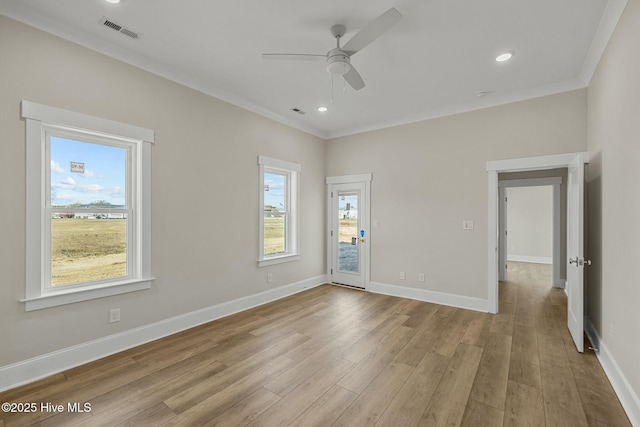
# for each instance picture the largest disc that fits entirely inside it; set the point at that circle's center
(334, 356)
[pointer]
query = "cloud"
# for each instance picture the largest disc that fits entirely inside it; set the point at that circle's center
(70, 184)
(55, 167)
(92, 188)
(117, 192)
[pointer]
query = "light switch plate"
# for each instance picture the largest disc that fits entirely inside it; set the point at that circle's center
(467, 225)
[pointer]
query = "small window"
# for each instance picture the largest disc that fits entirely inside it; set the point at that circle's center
(278, 211)
(88, 216)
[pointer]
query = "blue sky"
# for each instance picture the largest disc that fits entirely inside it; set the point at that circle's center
(104, 176)
(348, 198)
(275, 195)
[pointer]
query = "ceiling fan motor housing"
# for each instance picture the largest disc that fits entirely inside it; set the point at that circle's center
(338, 62)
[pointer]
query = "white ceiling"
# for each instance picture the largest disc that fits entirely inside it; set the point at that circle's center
(432, 63)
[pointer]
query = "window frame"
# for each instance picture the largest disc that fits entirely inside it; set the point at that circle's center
(41, 122)
(292, 222)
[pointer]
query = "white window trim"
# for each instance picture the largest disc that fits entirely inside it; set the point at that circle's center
(293, 230)
(37, 118)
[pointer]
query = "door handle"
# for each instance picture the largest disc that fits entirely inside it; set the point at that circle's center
(579, 262)
(361, 240)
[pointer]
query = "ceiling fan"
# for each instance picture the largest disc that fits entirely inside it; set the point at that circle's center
(339, 59)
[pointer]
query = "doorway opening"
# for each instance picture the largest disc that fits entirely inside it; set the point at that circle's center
(575, 164)
(539, 208)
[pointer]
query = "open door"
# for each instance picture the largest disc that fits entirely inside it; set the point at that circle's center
(575, 250)
(502, 238)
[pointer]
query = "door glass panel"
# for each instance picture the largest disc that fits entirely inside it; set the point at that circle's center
(348, 239)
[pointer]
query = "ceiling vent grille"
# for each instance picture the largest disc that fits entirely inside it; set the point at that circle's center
(119, 28)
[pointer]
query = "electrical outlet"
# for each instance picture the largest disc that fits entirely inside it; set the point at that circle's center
(114, 315)
(421, 277)
(402, 275)
(269, 278)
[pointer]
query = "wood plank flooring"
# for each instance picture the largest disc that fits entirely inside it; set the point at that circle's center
(334, 356)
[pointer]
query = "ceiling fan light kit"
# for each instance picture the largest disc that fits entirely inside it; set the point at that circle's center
(338, 63)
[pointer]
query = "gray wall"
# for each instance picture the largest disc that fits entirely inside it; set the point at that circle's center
(613, 292)
(430, 176)
(204, 198)
(530, 223)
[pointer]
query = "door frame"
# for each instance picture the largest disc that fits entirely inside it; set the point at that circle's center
(364, 179)
(555, 183)
(494, 167)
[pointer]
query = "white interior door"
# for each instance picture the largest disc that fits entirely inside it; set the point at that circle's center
(348, 234)
(575, 251)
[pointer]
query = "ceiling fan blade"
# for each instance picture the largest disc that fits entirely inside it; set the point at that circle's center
(353, 78)
(294, 56)
(372, 31)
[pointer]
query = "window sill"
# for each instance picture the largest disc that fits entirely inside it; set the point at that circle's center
(84, 294)
(278, 260)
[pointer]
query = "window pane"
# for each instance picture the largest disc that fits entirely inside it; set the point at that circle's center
(275, 227)
(275, 213)
(87, 175)
(275, 187)
(87, 246)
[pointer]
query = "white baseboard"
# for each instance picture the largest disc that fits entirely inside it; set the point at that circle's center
(43, 366)
(531, 259)
(626, 394)
(453, 300)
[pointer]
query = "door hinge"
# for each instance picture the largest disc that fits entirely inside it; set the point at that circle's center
(331, 233)
(332, 194)
(332, 271)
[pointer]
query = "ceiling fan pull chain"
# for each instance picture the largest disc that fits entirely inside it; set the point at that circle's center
(331, 89)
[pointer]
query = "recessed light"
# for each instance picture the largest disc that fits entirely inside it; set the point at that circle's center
(112, 1)
(322, 109)
(504, 57)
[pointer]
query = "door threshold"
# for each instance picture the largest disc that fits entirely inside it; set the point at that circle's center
(348, 286)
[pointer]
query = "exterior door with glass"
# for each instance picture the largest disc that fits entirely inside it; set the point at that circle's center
(348, 234)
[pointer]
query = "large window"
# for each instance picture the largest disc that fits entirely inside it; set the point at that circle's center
(88, 217)
(279, 239)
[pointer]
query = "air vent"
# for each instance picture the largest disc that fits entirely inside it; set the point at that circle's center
(119, 28)
(297, 110)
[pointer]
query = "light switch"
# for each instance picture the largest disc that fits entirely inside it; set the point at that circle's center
(467, 225)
